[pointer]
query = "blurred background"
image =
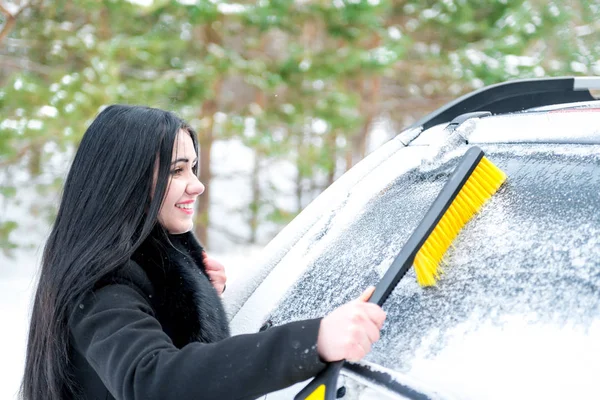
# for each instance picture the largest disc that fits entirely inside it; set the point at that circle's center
(286, 95)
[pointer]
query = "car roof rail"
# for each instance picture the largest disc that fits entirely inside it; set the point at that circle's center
(514, 96)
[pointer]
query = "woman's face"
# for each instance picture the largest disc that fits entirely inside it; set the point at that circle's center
(177, 211)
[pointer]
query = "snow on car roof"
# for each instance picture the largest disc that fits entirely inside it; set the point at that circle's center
(576, 125)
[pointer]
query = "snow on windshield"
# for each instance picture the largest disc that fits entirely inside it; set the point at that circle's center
(517, 313)
(286, 257)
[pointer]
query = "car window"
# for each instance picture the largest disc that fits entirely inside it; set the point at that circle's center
(519, 301)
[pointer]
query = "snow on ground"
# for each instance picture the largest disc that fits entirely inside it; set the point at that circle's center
(16, 287)
(17, 283)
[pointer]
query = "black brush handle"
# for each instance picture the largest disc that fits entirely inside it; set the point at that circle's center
(405, 259)
(327, 377)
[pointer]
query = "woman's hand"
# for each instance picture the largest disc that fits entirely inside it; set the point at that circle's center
(216, 273)
(350, 330)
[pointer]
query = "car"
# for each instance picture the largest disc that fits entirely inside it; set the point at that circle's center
(516, 312)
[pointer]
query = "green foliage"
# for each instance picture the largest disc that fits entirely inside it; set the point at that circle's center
(492, 41)
(279, 216)
(293, 80)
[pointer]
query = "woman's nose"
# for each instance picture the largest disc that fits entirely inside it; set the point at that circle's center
(195, 187)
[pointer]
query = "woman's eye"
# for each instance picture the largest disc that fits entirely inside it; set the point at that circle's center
(177, 171)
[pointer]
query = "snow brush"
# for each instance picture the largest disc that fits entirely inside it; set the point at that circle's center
(472, 183)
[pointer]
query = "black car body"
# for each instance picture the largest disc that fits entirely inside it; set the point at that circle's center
(516, 313)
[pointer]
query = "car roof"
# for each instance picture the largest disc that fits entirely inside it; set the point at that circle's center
(513, 96)
(572, 124)
(526, 268)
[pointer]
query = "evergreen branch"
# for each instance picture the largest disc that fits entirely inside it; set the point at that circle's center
(22, 63)
(32, 144)
(11, 19)
(5, 163)
(4, 11)
(10, 22)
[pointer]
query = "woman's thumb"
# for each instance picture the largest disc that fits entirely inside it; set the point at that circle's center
(366, 295)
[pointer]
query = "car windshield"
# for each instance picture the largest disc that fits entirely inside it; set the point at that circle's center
(517, 311)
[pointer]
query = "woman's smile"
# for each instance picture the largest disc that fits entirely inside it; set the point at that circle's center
(186, 206)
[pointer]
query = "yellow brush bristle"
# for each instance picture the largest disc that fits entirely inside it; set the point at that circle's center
(484, 181)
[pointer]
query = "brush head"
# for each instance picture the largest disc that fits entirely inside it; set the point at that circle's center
(483, 182)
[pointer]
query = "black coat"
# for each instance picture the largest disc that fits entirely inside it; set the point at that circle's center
(157, 330)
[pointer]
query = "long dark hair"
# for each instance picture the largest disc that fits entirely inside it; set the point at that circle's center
(107, 210)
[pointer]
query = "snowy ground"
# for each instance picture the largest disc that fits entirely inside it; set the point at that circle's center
(15, 292)
(17, 282)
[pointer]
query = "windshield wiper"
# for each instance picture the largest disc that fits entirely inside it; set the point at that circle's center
(378, 377)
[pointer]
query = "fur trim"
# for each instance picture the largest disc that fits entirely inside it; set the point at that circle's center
(187, 305)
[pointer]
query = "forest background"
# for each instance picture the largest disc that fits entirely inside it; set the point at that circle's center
(286, 95)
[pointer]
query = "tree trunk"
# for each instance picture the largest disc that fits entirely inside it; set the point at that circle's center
(261, 100)
(299, 176)
(205, 139)
(35, 160)
(332, 153)
(9, 22)
(104, 30)
(255, 204)
(359, 141)
(357, 150)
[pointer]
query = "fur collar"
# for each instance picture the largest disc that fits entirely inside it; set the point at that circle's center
(186, 304)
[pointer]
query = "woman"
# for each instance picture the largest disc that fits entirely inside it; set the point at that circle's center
(125, 307)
